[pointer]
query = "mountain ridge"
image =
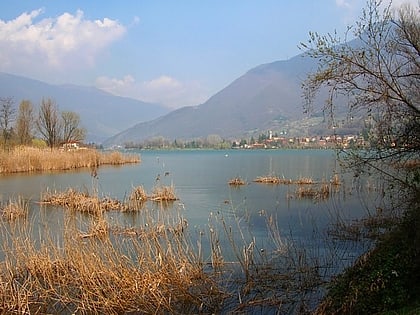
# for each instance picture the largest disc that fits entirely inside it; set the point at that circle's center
(266, 97)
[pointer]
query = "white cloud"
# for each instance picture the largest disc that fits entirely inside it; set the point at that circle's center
(163, 90)
(31, 44)
(343, 4)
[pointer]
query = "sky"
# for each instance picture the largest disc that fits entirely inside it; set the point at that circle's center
(175, 53)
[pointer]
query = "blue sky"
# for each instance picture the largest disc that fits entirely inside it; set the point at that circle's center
(177, 53)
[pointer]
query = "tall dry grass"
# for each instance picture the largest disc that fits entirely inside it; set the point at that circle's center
(82, 201)
(93, 204)
(152, 268)
(30, 159)
(145, 273)
(14, 209)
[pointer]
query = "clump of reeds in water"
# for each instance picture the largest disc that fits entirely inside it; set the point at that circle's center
(82, 201)
(138, 194)
(237, 181)
(99, 228)
(313, 191)
(304, 181)
(163, 193)
(284, 181)
(14, 209)
(137, 199)
(335, 180)
(268, 180)
(29, 159)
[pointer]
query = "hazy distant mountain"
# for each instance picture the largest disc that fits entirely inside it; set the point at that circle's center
(102, 114)
(268, 97)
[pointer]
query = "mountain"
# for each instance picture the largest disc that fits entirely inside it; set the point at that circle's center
(268, 97)
(101, 113)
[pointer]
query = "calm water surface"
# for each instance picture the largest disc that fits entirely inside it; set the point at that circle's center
(201, 180)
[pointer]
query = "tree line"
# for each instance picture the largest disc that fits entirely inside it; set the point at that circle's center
(23, 125)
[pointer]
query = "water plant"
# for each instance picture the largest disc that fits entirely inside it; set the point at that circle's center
(81, 201)
(14, 209)
(237, 181)
(163, 193)
(145, 273)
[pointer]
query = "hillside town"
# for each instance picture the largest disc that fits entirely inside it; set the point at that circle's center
(272, 141)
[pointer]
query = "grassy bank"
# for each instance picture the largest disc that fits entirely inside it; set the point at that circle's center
(385, 280)
(29, 159)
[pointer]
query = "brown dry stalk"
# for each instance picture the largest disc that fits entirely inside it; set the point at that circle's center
(83, 202)
(313, 191)
(14, 209)
(163, 193)
(237, 181)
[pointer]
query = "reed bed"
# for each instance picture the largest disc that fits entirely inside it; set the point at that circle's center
(14, 209)
(163, 193)
(304, 181)
(138, 194)
(153, 268)
(145, 274)
(335, 180)
(237, 181)
(272, 180)
(313, 192)
(29, 159)
(82, 201)
(284, 181)
(85, 202)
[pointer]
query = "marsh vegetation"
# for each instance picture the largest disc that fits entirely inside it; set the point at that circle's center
(92, 260)
(30, 159)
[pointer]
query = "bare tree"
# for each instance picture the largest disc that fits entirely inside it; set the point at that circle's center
(7, 116)
(71, 127)
(25, 122)
(379, 74)
(48, 122)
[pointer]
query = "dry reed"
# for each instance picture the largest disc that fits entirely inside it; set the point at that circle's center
(138, 194)
(313, 192)
(269, 180)
(29, 159)
(237, 181)
(80, 201)
(14, 209)
(163, 193)
(304, 181)
(84, 202)
(152, 268)
(148, 273)
(335, 180)
(284, 181)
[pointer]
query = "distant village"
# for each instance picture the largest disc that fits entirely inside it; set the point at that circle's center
(283, 141)
(267, 140)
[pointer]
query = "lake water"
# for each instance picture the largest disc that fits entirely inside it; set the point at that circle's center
(300, 247)
(200, 179)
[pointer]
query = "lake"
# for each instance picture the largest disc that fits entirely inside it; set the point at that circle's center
(200, 179)
(264, 233)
